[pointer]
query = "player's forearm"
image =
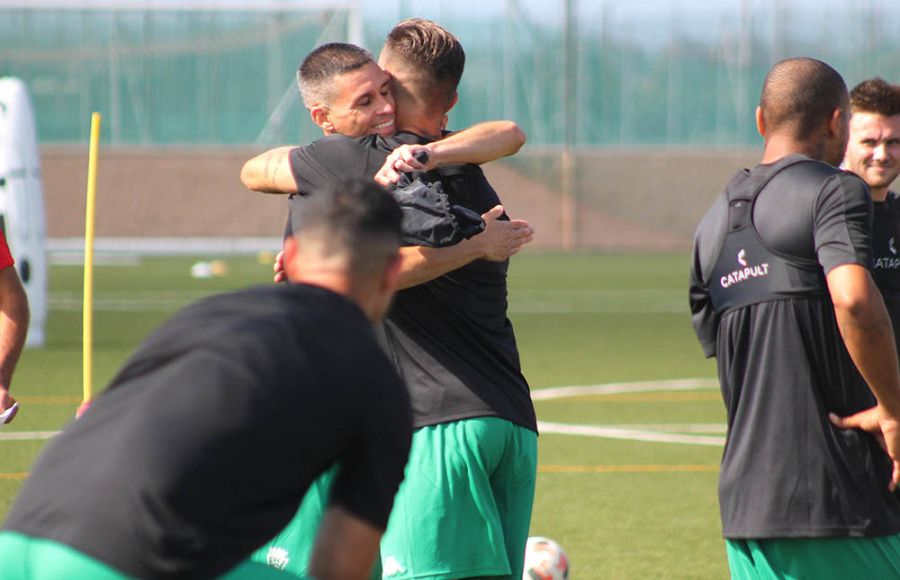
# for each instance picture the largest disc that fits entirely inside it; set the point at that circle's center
(421, 264)
(871, 346)
(869, 338)
(479, 144)
(270, 172)
(345, 547)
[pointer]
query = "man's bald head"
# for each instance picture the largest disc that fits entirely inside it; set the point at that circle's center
(799, 97)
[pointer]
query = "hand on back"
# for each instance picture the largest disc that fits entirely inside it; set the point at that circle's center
(502, 238)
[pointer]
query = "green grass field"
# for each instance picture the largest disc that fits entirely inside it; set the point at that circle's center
(621, 505)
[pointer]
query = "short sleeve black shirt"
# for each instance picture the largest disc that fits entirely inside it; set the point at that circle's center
(786, 471)
(205, 442)
(886, 256)
(450, 337)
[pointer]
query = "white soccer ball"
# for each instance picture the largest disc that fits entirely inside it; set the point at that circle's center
(545, 560)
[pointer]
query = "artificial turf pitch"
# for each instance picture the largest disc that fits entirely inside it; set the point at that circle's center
(622, 508)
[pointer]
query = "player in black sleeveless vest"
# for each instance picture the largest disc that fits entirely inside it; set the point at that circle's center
(781, 295)
(747, 271)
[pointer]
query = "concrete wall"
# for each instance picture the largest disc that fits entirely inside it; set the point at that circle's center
(625, 199)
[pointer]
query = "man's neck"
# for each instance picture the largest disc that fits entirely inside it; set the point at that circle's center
(421, 125)
(339, 284)
(879, 195)
(776, 149)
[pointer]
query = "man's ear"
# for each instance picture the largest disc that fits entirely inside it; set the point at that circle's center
(760, 122)
(836, 123)
(320, 116)
(289, 261)
(453, 101)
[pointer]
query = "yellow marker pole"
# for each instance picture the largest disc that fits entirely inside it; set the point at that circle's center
(87, 337)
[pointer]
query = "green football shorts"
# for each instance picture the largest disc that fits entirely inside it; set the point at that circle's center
(464, 508)
(27, 558)
(814, 558)
(292, 548)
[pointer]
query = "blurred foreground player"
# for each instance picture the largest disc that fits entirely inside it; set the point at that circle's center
(873, 153)
(13, 328)
(205, 442)
(781, 295)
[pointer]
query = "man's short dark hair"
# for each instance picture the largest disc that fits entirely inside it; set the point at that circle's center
(426, 47)
(356, 217)
(800, 94)
(875, 96)
(318, 69)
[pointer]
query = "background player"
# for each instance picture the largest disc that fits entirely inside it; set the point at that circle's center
(13, 328)
(206, 440)
(781, 295)
(873, 153)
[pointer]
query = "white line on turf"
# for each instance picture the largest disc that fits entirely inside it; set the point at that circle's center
(628, 434)
(613, 388)
(662, 433)
(699, 428)
(27, 435)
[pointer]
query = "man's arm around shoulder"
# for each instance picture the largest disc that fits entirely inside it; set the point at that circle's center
(478, 144)
(499, 240)
(270, 172)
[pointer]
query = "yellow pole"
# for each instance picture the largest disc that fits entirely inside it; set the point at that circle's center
(88, 307)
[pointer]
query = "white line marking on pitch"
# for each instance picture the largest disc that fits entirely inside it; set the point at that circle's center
(629, 434)
(613, 388)
(699, 428)
(27, 435)
(669, 433)
(663, 433)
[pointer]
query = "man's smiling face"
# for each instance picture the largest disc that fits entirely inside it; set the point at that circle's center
(362, 103)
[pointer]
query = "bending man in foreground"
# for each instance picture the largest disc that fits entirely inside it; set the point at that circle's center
(782, 296)
(172, 473)
(465, 508)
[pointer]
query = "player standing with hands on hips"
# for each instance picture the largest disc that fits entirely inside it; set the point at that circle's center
(782, 296)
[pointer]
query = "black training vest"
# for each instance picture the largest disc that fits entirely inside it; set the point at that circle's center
(746, 271)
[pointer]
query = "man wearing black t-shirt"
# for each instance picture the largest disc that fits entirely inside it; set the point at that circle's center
(348, 94)
(465, 508)
(206, 440)
(873, 153)
(781, 295)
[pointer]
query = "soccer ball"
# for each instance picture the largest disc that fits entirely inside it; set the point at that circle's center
(545, 560)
